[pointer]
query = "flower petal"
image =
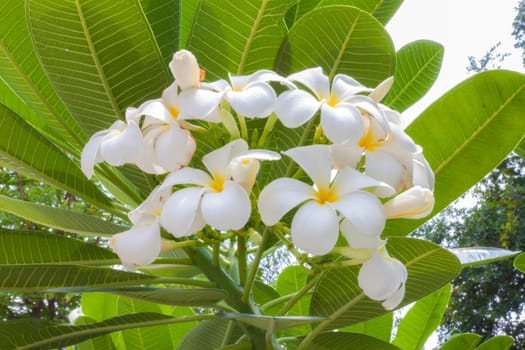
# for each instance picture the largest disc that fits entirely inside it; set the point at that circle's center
(226, 210)
(364, 211)
(149, 210)
(198, 103)
(385, 167)
(185, 69)
(423, 174)
(180, 212)
(255, 101)
(122, 146)
(344, 87)
(315, 228)
(174, 148)
(90, 152)
(395, 298)
(280, 196)
(295, 107)
(186, 176)
(218, 161)
(382, 89)
(358, 240)
(315, 160)
(344, 155)
(349, 180)
(415, 203)
(342, 124)
(315, 80)
(138, 246)
(380, 277)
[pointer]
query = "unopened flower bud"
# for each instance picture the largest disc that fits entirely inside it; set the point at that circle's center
(414, 203)
(185, 69)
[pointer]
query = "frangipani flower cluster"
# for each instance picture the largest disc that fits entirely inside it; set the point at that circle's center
(367, 172)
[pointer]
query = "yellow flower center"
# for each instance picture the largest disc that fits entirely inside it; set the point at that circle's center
(217, 184)
(368, 141)
(174, 111)
(324, 195)
(332, 102)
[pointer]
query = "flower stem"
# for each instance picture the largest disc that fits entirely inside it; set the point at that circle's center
(298, 295)
(255, 266)
(241, 258)
(268, 127)
(244, 127)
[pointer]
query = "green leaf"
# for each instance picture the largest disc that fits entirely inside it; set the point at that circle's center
(383, 10)
(244, 45)
(298, 10)
(37, 247)
(465, 134)
(340, 39)
(499, 342)
(417, 68)
(465, 341)
(270, 322)
(23, 76)
(100, 342)
(211, 335)
(164, 19)
(263, 293)
(473, 256)
(101, 56)
(422, 319)
(342, 340)
(38, 334)
(338, 296)
(39, 277)
(379, 327)
(519, 262)
(164, 296)
(25, 150)
(57, 218)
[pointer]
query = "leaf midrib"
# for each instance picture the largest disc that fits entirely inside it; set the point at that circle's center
(98, 65)
(249, 40)
(344, 46)
(476, 132)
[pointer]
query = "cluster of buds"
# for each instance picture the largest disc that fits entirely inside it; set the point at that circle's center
(366, 170)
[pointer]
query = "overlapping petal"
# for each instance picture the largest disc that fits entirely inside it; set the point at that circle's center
(315, 160)
(364, 211)
(255, 101)
(315, 228)
(280, 196)
(226, 210)
(140, 245)
(180, 214)
(342, 123)
(295, 107)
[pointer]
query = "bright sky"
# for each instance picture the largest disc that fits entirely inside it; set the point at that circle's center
(464, 27)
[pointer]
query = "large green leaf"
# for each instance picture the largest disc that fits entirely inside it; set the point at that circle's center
(519, 262)
(499, 342)
(100, 342)
(101, 56)
(343, 340)
(466, 133)
(421, 320)
(164, 18)
(338, 296)
(57, 218)
(340, 39)
(37, 334)
(22, 75)
(383, 10)
(464, 341)
(417, 68)
(39, 277)
(472, 256)
(379, 327)
(240, 46)
(36, 247)
(211, 335)
(25, 150)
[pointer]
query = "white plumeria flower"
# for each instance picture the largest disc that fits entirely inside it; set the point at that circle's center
(186, 70)
(251, 95)
(218, 199)
(141, 244)
(383, 278)
(315, 226)
(389, 154)
(118, 145)
(167, 146)
(340, 105)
